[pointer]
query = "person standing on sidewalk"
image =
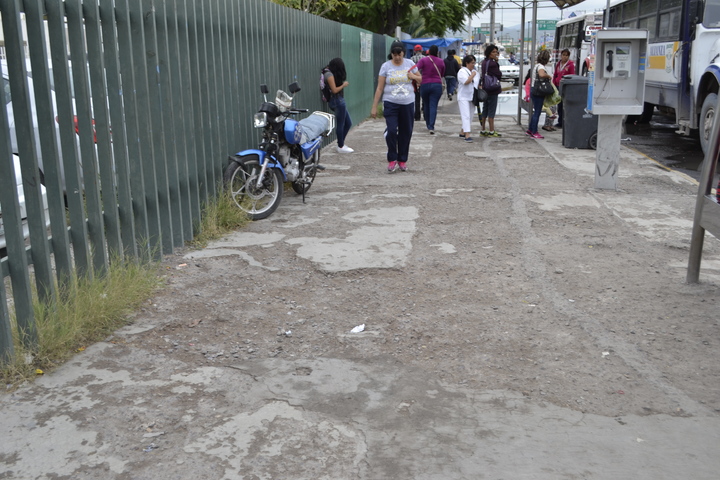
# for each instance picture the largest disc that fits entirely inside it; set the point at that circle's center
(395, 88)
(432, 69)
(451, 71)
(490, 71)
(468, 81)
(336, 78)
(416, 86)
(564, 67)
(537, 100)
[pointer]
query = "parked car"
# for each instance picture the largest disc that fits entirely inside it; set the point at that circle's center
(509, 71)
(33, 115)
(23, 210)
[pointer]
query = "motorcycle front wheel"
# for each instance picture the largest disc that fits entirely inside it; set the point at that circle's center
(303, 184)
(241, 180)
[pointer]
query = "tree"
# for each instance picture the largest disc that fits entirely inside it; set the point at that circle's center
(414, 24)
(384, 16)
(322, 8)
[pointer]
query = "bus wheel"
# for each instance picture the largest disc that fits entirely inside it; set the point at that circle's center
(707, 114)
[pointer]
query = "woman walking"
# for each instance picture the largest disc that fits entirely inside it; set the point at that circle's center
(564, 67)
(395, 88)
(432, 69)
(468, 81)
(490, 78)
(336, 78)
(537, 100)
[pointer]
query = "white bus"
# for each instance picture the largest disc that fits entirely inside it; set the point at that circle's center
(683, 57)
(575, 35)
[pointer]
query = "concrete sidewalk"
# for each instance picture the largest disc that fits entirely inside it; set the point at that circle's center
(298, 396)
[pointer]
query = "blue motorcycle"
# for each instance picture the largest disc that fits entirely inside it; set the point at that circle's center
(288, 152)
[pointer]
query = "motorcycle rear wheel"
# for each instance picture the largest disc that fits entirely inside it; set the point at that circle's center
(303, 184)
(241, 180)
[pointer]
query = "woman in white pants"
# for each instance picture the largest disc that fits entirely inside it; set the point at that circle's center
(468, 80)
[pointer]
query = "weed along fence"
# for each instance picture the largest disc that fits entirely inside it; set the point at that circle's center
(126, 110)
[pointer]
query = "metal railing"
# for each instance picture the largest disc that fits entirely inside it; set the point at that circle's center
(133, 106)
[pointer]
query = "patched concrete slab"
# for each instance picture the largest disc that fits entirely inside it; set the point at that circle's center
(385, 241)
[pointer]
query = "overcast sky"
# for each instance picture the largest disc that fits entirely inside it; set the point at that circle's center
(507, 12)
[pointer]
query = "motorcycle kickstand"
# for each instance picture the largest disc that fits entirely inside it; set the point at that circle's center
(317, 167)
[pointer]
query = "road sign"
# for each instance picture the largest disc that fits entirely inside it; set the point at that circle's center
(546, 24)
(485, 28)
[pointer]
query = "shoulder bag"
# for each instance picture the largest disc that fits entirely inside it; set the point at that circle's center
(543, 86)
(479, 96)
(489, 82)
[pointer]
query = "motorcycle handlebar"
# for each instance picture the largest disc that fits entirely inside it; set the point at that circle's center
(299, 110)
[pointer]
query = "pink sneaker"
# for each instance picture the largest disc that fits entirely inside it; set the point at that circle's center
(392, 166)
(403, 166)
(536, 135)
(528, 133)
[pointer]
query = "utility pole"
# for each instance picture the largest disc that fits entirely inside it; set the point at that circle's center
(492, 22)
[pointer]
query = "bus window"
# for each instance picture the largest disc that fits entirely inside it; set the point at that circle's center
(669, 27)
(630, 10)
(649, 24)
(711, 17)
(648, 7)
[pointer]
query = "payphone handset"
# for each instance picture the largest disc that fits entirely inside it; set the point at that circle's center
(617, 60)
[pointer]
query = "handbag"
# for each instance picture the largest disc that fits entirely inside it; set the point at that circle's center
(543, 86)
(489, 82)
(479, 96)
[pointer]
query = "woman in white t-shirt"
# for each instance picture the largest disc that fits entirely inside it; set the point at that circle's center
(396, 89)
(468, 80)
(541, 71)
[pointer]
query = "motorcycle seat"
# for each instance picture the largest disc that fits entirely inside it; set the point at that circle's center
(319, 123)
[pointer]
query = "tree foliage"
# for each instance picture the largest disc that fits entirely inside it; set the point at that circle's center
(322, 8)
(384, 16)
(414, 24)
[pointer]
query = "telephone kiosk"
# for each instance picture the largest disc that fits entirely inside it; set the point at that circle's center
(617, 88)
(621, 67)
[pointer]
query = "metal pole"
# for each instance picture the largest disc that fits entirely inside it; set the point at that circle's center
(522, 65)
(492, 22)
(606, 16)
(698, 231)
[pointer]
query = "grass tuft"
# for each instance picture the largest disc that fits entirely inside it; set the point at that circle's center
(219, 217)
(86, 311)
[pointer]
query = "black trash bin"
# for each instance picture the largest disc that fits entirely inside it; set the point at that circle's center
(579, 127)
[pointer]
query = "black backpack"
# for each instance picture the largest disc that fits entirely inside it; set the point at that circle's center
(325, 92)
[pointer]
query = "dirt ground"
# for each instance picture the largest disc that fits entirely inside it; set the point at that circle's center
(518, 323)
(494, 265)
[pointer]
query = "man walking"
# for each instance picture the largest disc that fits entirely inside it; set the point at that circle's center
(417, 55)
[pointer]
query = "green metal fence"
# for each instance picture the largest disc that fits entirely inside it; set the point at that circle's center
(133, 106)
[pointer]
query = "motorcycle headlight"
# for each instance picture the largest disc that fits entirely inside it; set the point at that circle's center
(260, 120)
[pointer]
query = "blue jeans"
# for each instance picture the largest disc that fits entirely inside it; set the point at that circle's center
(537, 103)
(451, 83)
(399, 120)
(342, 118)
(431, 93)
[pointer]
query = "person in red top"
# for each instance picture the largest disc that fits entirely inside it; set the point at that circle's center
(564, 67)
(432, 69)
